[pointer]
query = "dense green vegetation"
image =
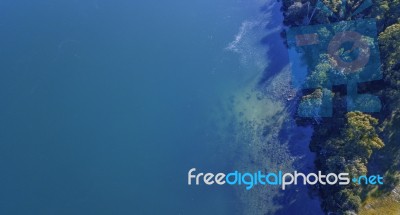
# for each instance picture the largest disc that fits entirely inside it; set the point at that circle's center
(347, 151)
(355, 142)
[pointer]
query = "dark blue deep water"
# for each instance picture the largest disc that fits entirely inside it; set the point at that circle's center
(106, 104)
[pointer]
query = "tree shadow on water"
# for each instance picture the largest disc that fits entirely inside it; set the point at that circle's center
(295, 199)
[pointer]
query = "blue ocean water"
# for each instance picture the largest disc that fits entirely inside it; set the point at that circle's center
(105, 104)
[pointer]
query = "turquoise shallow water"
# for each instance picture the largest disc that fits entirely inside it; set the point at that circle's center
(106, 104)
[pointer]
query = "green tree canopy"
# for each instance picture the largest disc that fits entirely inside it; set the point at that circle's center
(361, 135)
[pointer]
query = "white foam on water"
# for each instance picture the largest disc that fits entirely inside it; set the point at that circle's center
(247, 41)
